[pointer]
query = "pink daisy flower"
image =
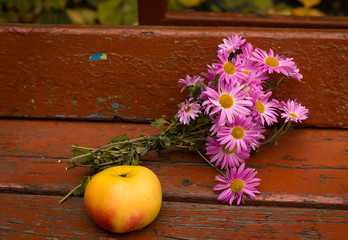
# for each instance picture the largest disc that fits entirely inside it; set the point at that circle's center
(190, 81)
(239, 134)
(236, 184)
(215, 128)
(293, 111)
(273, 63)
(223, 157)
(228, 102)
(188, 111)
(247, 51)
(210, 75)
(296, 74)
(266, 110)
(228, 71)
(254, 76)
(232, 43)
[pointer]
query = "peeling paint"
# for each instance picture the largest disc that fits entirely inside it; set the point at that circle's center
(95, 115)
(116, 107)
(98, 56)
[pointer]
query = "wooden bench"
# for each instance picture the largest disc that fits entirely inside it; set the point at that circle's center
(53, 95)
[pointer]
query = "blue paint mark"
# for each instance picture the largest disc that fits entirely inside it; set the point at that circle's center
(98, 56)
(116, 106)
(95, 115)
(100, 99)
(74, 100)
(95, 57)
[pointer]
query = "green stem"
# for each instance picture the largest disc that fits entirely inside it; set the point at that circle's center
(277, 85)
(68, 195)
(278, 133)
(169, 127)
(195, 133)
(212, 165)
(83, 148)
(199, 125)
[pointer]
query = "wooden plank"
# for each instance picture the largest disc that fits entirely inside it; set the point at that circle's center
(308, 168)
(148, 15)
(45, 70)
(33, 216)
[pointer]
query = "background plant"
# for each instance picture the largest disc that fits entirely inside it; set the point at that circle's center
(112, 12)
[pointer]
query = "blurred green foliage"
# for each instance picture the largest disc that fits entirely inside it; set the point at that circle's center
(283, 7)
(111, 12)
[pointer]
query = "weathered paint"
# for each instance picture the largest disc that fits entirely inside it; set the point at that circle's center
(98, 56)
(293, 173)
(144, 76)
(177, 220)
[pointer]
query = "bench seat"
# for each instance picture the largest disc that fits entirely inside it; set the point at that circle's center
(303, 193)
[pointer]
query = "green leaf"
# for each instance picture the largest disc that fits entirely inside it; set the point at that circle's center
(93, 3)
(164, 141)
(120, 138)
(215, 8)
(56, 4)
(82, 187)
(159, 122)
(108, 12)
(82, 15)
(77, 152)
(54, 17)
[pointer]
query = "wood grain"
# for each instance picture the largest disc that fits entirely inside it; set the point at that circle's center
(33, 216)
(45, 70)
(308, 168)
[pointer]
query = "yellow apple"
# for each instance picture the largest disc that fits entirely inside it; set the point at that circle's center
(123, 198)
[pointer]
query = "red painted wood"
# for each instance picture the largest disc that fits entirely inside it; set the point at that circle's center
(308, 168)
(160, 15)
(45, 72)
(34, 216)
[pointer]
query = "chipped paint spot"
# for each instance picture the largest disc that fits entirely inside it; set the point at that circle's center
(95, 115)
(74, 100)
(100, 99)
(98, 56)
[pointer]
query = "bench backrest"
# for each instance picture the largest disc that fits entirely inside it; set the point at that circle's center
(131, 73)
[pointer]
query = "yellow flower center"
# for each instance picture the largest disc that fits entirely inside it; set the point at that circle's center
(237, 132)
(246, 86)
(260, 107)
(187, 109)
(226, 101)
(229, 68)
(272, 62)
(237, 186)
(226, 151)
(293, 115)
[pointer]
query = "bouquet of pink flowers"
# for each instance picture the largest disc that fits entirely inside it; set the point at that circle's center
(224, 116)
